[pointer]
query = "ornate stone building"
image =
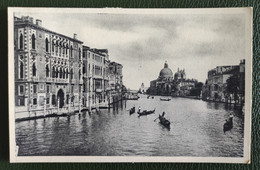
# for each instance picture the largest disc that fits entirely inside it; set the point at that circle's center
(115, 82)
(48, 69)
(95, 71)
(215, 87)
(166, 84)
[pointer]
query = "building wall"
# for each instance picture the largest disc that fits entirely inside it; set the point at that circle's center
(41, 66)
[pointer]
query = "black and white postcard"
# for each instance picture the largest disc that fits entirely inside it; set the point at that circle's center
(130, 85)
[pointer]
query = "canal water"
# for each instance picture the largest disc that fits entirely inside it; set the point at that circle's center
(196, 130)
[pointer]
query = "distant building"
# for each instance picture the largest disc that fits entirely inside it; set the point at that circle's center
(48, 69)
(215, 87)
(142, 89)
(166, 84)
(184, 85)
(115, 82)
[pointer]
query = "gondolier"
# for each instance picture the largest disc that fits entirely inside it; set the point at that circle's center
(139, 109)
(163, 114)
(164, 121)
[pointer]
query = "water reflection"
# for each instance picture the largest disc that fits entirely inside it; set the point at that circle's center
(196, 130)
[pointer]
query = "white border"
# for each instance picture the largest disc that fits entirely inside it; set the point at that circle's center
(248, 13)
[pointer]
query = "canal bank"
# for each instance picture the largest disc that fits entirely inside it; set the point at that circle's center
(22, 115)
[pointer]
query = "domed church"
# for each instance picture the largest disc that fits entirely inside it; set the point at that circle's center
(166, 84)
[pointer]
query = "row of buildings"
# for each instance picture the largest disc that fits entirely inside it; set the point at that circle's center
(169, 85)
(55, 73)
(225, 84)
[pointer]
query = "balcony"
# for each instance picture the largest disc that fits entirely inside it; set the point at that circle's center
(99, 90)
(35, 79)
(73, 81)
(62, 80)
(48, 79)
(97, 77)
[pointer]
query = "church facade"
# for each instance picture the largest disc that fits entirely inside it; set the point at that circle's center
(169, 85)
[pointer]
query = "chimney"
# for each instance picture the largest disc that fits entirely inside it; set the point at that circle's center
(39, 22)
(75, 36)
(27, 18)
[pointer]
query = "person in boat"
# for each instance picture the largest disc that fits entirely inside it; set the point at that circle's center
(163, 114)
(230, 118)
(162, 118)
(139, 109)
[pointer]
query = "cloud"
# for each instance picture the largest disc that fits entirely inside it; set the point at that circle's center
(142, 42)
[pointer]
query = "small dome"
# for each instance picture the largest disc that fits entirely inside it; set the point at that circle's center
(177, 75)
(166, 72)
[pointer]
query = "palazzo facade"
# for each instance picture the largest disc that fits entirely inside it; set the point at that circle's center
(48, 69)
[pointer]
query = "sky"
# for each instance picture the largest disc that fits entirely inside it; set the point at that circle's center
(143, 42)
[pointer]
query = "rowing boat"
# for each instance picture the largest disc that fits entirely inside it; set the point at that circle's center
(165, 99)
(145, 112)
(164, 121)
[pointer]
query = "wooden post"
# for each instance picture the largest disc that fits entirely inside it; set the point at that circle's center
(58, 104)
(44, 107)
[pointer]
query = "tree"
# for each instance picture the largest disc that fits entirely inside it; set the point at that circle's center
(233, 85)
(196, 91)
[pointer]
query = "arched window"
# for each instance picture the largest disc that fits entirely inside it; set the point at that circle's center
(71, 51)
(63, 49)
(67, 73)
(33, 41)
(21, 41)
(47, 45)
(71, 73)
(47, 71)
(21, 69)
(53, 72)
(64, 74)
(56, 48)
(34, 69)
(53, 101)
(53, 46)
(84, 87)
(79, 54)
(67, 47)
(84, 69)
(57, 73)
(60, 49)
(60, 72)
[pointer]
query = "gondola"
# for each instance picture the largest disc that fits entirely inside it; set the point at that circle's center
(165, 99)
(228, 125)
(145, 112)
(132, 110)
(164, 121)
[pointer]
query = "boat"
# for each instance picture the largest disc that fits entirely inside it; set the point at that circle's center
(132, 110)
(164, 121)
(228, 125)
(133, 98)
(145, 112)
(165, 99)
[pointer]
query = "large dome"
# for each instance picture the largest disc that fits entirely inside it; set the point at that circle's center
(166, 72)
